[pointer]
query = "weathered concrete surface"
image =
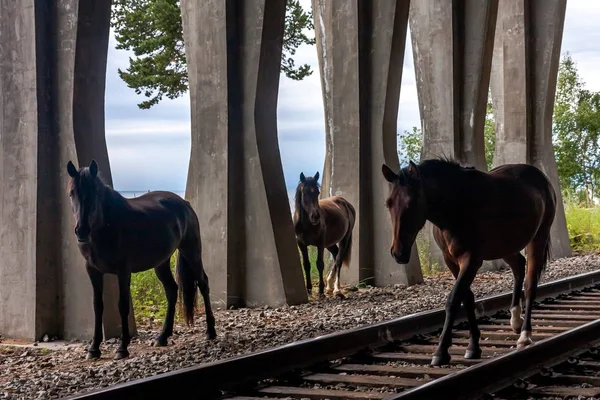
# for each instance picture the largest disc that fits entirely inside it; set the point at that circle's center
(361, 51)
(525, 69)
(43, 284)
(235, 180)
(452, 50)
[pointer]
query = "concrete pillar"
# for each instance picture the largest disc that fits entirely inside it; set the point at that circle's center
(235, 180)
(452, 49)
(524, 73)
(44, 288)
(361, 52)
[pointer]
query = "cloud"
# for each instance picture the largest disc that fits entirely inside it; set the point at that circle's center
(149, 149)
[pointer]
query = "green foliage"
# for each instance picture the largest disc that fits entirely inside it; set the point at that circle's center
(410, 143)
(489, 133)
(584, 227)
(148, 295)
(576, 133)
(153, 30)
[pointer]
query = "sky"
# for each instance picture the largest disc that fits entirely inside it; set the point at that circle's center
(150, 149)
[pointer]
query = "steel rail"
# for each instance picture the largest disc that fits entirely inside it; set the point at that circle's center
(207, 380)
(500, 372)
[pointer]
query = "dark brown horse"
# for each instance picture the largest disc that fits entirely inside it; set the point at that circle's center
(324, 224)
(476, 216)
(123, 236)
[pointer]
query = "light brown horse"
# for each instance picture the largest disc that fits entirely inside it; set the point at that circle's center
(476, 216)
(325, 224)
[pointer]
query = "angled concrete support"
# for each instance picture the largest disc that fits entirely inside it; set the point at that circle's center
(361, 52)
(524, 73)
(235, 180)
(452, 49)
(44, 288)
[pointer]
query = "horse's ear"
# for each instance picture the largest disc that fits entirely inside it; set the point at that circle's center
(413, 170)
(316, 176)
(72, 170)
(388, 174)
(302, 177)
(94, 168)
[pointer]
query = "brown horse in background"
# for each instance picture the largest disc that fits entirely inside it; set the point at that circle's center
(476, 216)
(324, 224)
(123, 236)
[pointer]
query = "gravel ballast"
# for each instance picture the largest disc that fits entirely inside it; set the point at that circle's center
(34, 373)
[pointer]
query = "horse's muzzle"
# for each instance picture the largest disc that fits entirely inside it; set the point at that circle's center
(401, 257)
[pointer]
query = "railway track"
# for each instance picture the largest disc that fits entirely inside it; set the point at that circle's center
(390, 360)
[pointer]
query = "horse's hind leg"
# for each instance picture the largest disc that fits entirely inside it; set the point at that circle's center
(165, 276)
(517, 265)
(192, 256)
(211, 332)
(344, 249)
(331, 276)
(536, 258)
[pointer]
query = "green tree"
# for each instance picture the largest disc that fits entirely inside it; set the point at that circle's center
(410, 143)
(576, 133)
(153, 30)
(489, 133)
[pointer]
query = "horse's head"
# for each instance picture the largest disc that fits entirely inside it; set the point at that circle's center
(85, 191)
(406, 204)
(307, 194)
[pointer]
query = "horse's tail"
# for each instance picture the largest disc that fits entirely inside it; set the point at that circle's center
(186, 279)
(347, 257)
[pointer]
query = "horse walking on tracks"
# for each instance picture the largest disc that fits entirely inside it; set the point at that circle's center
(476, 216)
(123, 236)
(324, 224)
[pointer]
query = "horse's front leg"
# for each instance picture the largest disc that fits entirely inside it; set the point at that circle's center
(320, 268)
(124, 286)
(97, 285)
(468, 268)
(306, 262)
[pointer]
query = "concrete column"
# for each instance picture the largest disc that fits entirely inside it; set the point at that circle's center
(43, 283)
(361, 52)
(235, 180)
(452, 50)
(525, 69)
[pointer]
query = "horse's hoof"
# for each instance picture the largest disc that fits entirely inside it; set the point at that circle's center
(211, 334)
(473, 354)
(328, 291)
(121, 354)
(524, 340)
(339, 294)
(516, 325)
(522, 344)
(437, 361)
(161, 342)
(93, 355)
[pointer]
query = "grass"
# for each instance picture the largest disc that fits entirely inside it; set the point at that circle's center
(584, 228)
(148, 295)
(149, 300)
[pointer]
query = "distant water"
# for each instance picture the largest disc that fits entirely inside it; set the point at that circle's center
(136, 193)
